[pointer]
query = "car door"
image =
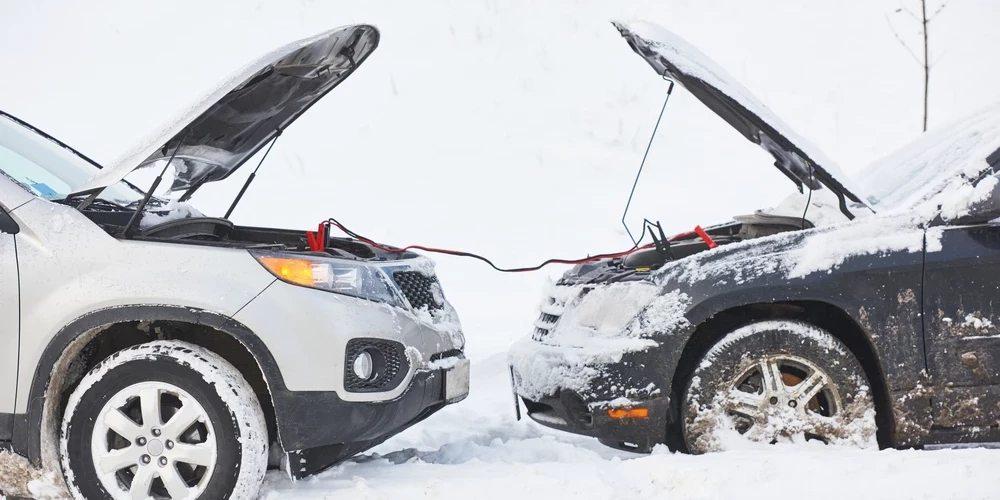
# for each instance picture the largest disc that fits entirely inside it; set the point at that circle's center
(12, 196)
(962, 323)
(9, 324)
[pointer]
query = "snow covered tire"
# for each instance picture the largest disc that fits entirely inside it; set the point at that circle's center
(777, 381)
(221, 454)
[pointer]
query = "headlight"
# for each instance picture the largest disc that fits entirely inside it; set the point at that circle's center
(338, 276)
(605, 310)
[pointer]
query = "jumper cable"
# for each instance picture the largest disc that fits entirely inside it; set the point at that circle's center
(318, 238)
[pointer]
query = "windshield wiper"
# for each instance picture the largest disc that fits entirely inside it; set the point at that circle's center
(101, 202)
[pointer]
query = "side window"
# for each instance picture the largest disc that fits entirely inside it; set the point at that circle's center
(30, 175)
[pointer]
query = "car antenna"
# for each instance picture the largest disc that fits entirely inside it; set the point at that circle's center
(149, 194)
(670, 89)
(239, 196)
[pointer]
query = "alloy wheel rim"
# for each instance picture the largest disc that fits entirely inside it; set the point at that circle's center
(783, 398)
(153, 440)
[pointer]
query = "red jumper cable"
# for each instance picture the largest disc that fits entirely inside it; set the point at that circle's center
(317, 242)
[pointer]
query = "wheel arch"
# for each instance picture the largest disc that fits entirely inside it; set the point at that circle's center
(85, 342)
(821, 314)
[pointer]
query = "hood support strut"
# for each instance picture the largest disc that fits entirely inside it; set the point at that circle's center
(671, 56)
(239, 196)
(149, 194)
(670, 89)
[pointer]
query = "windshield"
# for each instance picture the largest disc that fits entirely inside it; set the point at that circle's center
(48, 170)
(925, 167)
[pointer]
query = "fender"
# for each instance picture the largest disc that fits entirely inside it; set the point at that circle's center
(703, 311)
(881, 293)
(678, 344)
(28, 426)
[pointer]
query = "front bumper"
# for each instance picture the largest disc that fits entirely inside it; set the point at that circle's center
(308, 333)
(567, 412)
(572, 389)
(325, 430)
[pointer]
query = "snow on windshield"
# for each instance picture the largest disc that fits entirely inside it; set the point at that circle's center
(919, 171)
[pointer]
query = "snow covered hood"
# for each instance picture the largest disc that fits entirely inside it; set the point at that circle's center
(674, 58)
(217, 134)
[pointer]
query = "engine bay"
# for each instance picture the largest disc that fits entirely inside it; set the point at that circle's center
(220, 232)
(164, 223)
(638, 264)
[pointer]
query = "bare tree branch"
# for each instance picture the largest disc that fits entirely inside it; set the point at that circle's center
(938, 11)
(901, 42)
(939, 57)
(902, 8)
(923, 20)
(927, 67)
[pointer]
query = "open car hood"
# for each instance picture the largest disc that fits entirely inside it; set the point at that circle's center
(674, 58)
(219, 133)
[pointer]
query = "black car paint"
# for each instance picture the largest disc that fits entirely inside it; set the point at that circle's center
(930, 387)
(575, 416)
(966, 357)
(327, 430)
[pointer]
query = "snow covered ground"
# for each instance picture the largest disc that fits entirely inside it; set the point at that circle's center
(513, 129)
(477, 450)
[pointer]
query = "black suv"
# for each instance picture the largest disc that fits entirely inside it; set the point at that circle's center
(853, 314)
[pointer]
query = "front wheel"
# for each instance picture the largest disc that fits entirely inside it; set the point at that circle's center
(164, 420)
(778, 381)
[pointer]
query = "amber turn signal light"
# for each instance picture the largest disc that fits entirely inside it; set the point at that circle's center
(621, 413)
(297, 271)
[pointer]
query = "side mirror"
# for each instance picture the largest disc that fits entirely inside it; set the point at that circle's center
(7, 224)
(984, 207)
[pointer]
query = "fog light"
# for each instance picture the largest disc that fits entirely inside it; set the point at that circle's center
(363, 366)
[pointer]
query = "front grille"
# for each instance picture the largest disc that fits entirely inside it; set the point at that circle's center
(546, 320)
(420, 290)
(450, 353)
(390, 363)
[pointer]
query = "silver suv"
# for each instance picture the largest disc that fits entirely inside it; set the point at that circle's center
(148, 351)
